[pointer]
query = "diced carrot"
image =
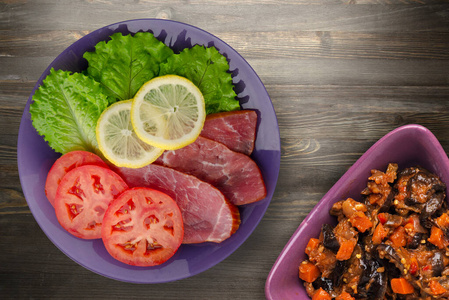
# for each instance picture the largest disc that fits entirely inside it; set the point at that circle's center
(379, 234)
(436, 288)
(398, 237)
(360, 221)
(321, 295)
(382, 218)
(311, 245)
(401, 286)
(443, 220)
(345, 250)
(308, 271)
(344, 296)
(374, 198)
(437, 237)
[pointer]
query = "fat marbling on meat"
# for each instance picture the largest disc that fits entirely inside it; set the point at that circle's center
(235, 129)
(235, 174)
(207, 215)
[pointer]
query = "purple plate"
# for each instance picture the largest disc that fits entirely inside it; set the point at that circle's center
(35, 158)
(407, 146)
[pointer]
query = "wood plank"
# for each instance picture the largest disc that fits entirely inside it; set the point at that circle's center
(234, 16)
(366, 72)
(277, 44)
(292, 71)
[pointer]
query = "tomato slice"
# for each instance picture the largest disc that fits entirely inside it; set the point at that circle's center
(82, 198)
(66, 163)
(142, 227)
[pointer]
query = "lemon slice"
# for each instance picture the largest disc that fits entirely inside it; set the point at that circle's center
(168, 112)
(117, 140)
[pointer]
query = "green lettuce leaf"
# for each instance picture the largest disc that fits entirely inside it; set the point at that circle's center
(124, 63)
(65, 110)
(209, 71)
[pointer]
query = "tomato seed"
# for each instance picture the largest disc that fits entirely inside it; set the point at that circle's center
(153, 246)
(97, 186)
(125, 209)
(73, 210)
(122, 226)
(149, 200)
(76, 190)
(150, 220)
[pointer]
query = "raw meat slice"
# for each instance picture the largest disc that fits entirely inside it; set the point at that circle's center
(235, 129)
(235, 174)
(207, 215)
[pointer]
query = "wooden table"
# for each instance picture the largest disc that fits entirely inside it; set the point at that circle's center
(340, 73)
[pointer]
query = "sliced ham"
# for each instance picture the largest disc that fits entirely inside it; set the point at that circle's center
(207, 215)
(235, 129)
(235, 174)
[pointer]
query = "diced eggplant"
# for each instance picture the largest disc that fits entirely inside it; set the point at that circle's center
(389, 201)
(373, 283)
(420, 177)
(416, 240)
(393, 221)
(425, 178)
(430, 208)
(437, 264)
(364, 278)
(406, 172)
(340, 268)
(388, 252)
(329, 239)
(439, 187)
(324, 283)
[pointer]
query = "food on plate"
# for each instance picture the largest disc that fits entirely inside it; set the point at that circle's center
(209, 70)
(63, 165)
(66, 107)
(118, 141)
(65, 110)
(391, 244)
(235, 174)
(168, 112)
(207, 215)
(82, 197)
(142, 227)
(125, 62)
(235, 129)
(136, 99)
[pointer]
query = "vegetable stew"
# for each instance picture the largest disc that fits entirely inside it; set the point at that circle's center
(390, 244)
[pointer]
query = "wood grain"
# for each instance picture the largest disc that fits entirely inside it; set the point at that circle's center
(340, 73)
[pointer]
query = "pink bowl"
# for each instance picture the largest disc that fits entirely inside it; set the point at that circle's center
(407, 146)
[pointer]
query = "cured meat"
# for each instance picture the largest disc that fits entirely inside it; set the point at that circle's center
(207, 215)
(235, 174)
(235, 129)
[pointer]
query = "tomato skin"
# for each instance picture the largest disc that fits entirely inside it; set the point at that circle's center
(142, 227)
(63, 165)
(83, 197)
